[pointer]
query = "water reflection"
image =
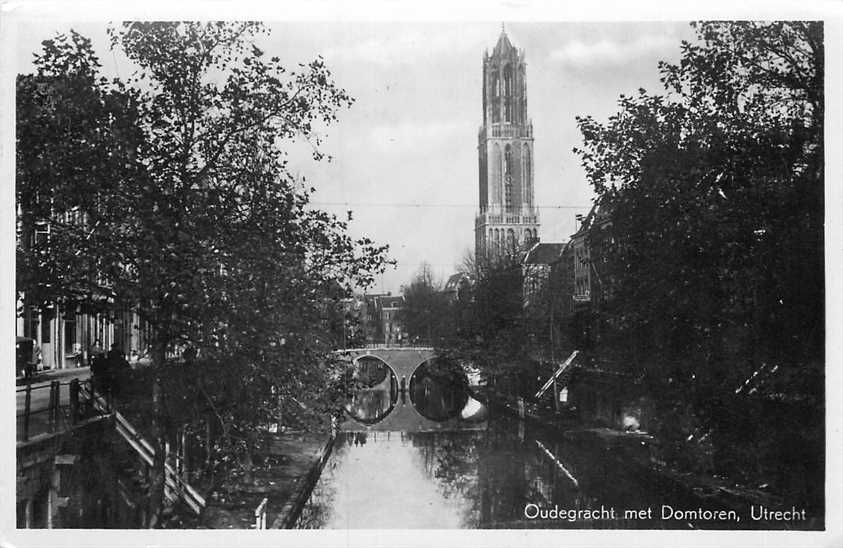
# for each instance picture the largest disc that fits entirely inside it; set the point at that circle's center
(438, 391)
(373, 390)
(437, 397)
(478, 477)
(425, 453)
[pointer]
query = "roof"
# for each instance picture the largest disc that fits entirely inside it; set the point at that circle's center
(544, 253)
(391, 302)
(598, 215)
(504, 45)
(455, 281)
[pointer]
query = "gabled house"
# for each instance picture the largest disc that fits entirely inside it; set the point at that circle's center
(536, 268)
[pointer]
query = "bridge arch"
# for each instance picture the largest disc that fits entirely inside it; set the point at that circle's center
(438, 390)
(403, 361)
(377, 397)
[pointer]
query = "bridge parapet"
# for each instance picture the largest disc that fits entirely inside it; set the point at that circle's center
(402, 360)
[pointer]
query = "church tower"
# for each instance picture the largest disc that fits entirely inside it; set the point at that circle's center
(508, 219)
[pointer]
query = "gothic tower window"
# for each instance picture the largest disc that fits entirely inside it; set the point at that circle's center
(496, 95)
(507, 178)
(528, 171)
(507, 92)
(497, 169)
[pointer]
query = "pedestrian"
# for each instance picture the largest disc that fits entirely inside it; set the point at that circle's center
(189, 355)
(77, 355)
(117, 369)
(95, 350)
(99, 368)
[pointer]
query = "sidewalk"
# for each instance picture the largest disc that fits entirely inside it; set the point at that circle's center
(55, 375)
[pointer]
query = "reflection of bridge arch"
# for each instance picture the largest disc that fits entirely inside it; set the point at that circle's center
(405, 413)
(438, 393)
(356, 362)
(375, 399)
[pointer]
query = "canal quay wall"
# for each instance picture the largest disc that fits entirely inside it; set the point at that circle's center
(76, 478)
(640, 451)
(291, 511)
(293, 462)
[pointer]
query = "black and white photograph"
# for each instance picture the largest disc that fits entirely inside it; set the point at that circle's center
(510, 277)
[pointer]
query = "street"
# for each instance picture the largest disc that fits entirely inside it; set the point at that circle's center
(40, 398)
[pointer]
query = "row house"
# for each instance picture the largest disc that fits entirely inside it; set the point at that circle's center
(601, 390)
(536, 266)
(64, 332)
(381, 319)
(579, 278)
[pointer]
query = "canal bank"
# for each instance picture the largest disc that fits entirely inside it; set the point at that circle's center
(285, 471)
(640, 451)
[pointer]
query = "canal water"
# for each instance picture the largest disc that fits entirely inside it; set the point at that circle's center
(427, 454)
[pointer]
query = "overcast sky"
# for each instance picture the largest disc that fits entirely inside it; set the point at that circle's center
(405, 155)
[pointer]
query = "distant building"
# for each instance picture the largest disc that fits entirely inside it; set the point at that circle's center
(457, 286)
(393, 332)
(508, 219)
(536, 267)
(379, 318)
(64, 333)
(586, 248)
(578, 279)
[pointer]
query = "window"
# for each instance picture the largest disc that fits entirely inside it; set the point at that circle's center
(69, 332)
(528, 188)
(496, 94)
(46, 316)
(30, 329)
(507, 92)
(508, 203)
(42, 234)
(498, 164)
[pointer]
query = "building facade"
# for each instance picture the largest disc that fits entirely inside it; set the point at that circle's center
(536, 268)
(380, 319)
(579, 283)
(507, 218)
(64, 332)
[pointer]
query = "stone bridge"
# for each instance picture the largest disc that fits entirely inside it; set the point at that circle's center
(386, 408)
(403, 361)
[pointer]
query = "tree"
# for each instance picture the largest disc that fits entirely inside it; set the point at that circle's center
(210, 239)
(76, 139)
(715, 246)
(491, 330)
(424, 314)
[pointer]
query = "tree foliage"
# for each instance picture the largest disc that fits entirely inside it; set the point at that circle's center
(77, 136)
(424, 314)
(714, 246)
(191, 218)
(488, 327)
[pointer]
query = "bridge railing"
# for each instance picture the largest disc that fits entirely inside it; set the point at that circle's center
(385, 347)
(66, 405)
(260, 514)
(175, 486)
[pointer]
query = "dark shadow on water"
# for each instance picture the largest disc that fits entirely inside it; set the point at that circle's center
(438, 390)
